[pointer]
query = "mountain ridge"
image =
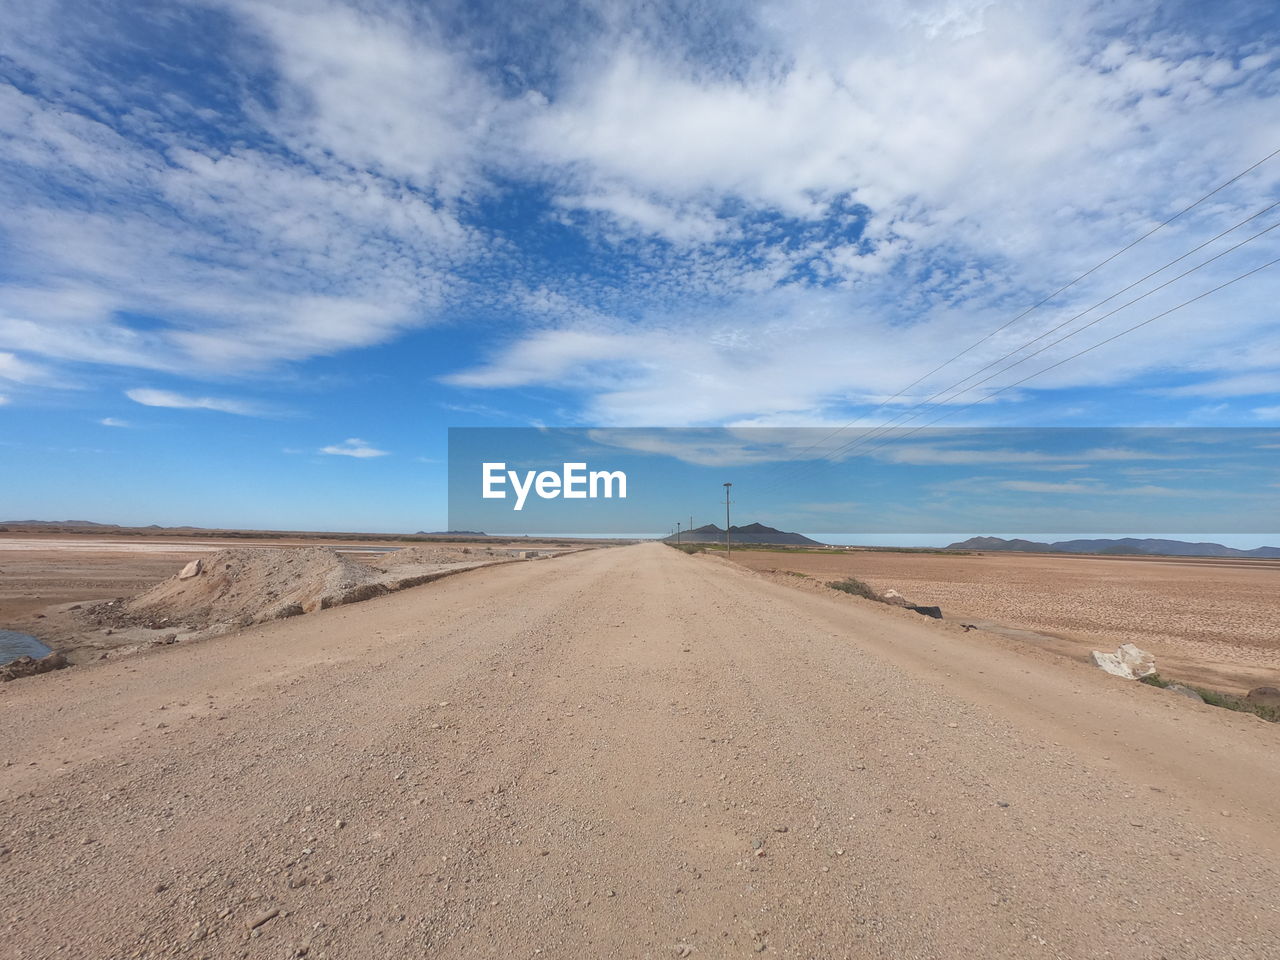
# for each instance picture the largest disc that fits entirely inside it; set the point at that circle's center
(1122, 546)
(747, 533)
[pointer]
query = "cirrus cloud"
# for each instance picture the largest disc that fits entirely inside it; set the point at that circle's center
(167, 398)
(353, 447)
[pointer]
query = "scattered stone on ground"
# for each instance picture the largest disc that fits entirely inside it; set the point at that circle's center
(1128, 662)
(30, 666)
(895, 599)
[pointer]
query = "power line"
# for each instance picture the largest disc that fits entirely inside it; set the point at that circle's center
(926, 403)
(1080, 353)
(1086, 312)
(920, 408)
(950, 412)
(1127, 247)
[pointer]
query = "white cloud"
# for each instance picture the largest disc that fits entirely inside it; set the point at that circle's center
(251, 258)
(1098, 489)
(167, 398)
(113, 422)
(13, 367)
(381, 91)
(1035, 486)
(933, 121)
(1267, 413)
(802, 216)
(635, 213)
(353, 447)
(3, 399)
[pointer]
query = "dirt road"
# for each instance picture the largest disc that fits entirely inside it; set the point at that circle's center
(627, 753)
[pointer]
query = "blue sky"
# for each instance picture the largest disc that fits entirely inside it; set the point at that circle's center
(1102, 481)
(257, 257)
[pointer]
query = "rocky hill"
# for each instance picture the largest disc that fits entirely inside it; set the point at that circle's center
(750, 533)
(1123, 546)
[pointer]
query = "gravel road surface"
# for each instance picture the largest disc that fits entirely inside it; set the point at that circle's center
(627, 753)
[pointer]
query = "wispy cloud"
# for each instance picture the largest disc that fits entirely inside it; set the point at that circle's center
(353, 447)
(816, 203)
(1036, 486)
(1267, 413)
(168, 398)
(13, 367)
(113, 422)
(1098, 489)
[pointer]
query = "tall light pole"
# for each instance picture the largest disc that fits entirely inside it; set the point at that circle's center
(728, 548)
(677, 533)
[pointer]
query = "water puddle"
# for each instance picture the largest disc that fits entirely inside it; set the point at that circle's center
(14, 645)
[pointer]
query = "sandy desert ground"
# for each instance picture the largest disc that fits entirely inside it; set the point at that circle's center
(1215, 622)
(48, 581)
(628, 752)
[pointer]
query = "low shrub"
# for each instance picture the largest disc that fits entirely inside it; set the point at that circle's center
(855, 587)
(1216, 698)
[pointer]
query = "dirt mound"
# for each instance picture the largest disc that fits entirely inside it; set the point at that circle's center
(431, 554)
(248, 585)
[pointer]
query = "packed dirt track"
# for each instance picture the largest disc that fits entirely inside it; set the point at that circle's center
(628, 753)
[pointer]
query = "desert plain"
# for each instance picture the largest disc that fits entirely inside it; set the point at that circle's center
(625, 752)
(1209, 621)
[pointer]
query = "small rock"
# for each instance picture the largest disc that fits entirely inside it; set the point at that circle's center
(1266, 696)
(934, 612)
(262, 918)
(30, 666)
(1128, 662)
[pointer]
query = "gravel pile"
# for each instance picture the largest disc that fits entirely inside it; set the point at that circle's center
(251, 585)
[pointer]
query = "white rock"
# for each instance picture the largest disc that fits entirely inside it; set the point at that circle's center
(192, 569)
(1128, 662)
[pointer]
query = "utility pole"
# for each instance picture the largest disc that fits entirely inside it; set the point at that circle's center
(677, 533)
(728, 548)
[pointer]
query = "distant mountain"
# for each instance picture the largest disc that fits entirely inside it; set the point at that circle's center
(750, 533)
(54, 523)
(1124, 546)
(450, 533)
